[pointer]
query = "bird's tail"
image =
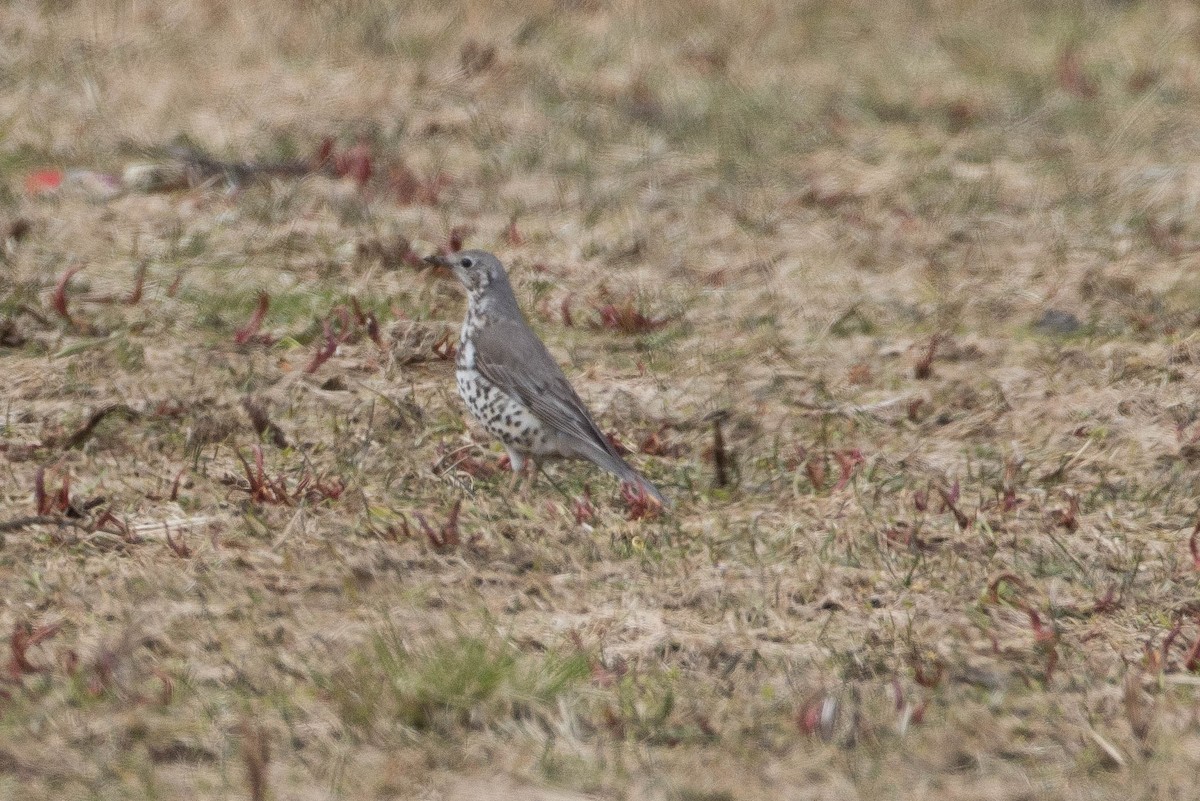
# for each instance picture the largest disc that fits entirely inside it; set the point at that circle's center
(622, 470)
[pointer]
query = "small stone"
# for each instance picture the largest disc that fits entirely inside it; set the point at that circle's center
(1057, 322)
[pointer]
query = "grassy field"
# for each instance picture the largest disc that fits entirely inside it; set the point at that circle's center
(898, 302)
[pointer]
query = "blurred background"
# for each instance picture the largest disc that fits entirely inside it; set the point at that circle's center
(950, 156)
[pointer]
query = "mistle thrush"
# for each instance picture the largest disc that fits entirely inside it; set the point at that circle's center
(511, 384)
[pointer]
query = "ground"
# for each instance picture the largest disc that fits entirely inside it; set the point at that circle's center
(897, 302)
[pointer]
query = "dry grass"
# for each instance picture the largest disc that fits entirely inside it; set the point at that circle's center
(930, 268)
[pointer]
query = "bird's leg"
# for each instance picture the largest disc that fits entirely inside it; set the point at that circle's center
(554, 484)
(530, 467)
(517, 462)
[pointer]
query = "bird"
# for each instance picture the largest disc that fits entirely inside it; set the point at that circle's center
(511, 384)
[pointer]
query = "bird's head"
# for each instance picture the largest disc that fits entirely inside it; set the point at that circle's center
(476, 269)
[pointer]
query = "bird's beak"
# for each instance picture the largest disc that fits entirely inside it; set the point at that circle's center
(438, 260)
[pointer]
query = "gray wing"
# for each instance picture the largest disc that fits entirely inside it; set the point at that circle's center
(513, 359)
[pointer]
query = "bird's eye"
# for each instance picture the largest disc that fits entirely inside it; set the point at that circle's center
(467, 263)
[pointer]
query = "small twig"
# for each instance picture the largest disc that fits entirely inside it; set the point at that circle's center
(262, 422)
(287, 530)
(42, 319)
(207, 168)
(850, 410)
(720, 455)
(16, 524)
(177, 524)
(85, 432)
(176, 544)
(443, 464)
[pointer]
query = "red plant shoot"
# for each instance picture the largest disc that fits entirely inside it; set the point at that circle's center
(639, 503)
(583, 509)
(249, 331)
(325, 353)
(44, 502)
(627, 318)
(446, 538)
(512, 235)
(59, 301)
(139, 283)
(848, 462)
